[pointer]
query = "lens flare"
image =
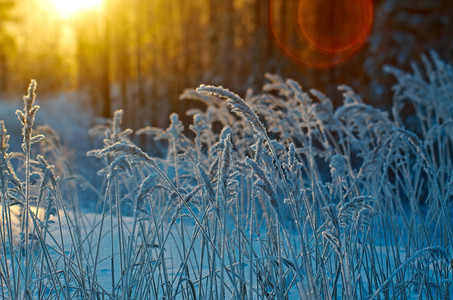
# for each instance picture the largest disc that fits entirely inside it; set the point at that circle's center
(320, 33)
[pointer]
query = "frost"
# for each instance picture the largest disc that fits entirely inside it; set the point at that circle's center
(290, 194)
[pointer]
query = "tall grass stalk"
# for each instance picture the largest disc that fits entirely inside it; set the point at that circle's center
(293, 199)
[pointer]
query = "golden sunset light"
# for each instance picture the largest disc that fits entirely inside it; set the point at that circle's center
(68, 8)
(227, 149)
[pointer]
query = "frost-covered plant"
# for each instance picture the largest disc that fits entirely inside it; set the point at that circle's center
(7, 176)
(275, 195)
(29, 208)
(27, 118)
(371, 157)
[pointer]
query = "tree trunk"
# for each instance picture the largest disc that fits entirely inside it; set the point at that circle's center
(107, 101)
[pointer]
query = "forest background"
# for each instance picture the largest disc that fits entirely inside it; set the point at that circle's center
(140, 55)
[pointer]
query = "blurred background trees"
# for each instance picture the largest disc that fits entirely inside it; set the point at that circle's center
(7, 44)
(140, 55)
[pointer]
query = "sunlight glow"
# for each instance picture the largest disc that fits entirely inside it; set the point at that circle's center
(68, 8)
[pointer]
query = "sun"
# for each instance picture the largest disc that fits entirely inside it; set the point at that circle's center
(68, 8)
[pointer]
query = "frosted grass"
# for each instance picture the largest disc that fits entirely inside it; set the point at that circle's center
(292, 199)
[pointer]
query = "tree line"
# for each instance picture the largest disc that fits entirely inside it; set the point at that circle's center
(140, 55)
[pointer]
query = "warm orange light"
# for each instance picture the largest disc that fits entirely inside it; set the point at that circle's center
(337, 24)
(68, 8)
(320, 33)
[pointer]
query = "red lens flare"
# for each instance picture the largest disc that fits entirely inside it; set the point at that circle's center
(320, 33)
